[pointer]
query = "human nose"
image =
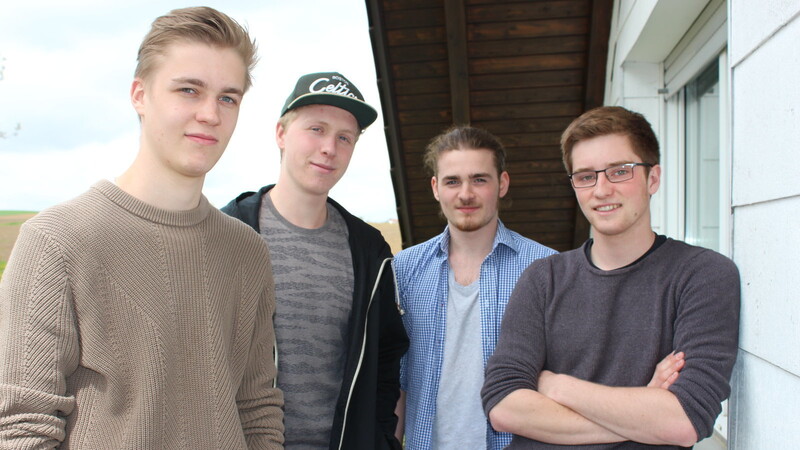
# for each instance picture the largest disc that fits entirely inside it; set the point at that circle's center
(602, 187)
(209, 112)
(466, 192)
(329, 146)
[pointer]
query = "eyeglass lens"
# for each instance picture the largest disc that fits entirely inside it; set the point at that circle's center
(614, 174)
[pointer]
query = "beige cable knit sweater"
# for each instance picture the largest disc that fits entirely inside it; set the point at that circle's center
(126, 326)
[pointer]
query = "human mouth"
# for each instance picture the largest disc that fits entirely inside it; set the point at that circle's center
(606, 208)
(202, 139)
(323, 167)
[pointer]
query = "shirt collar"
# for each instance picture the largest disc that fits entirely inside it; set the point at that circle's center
(503, 236)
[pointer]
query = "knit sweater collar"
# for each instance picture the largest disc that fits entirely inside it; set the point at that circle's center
(151, 213)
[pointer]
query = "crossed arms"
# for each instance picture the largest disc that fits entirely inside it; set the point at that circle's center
(570, 411)
(558, 332)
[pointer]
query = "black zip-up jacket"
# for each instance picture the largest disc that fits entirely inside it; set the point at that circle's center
(364, 416)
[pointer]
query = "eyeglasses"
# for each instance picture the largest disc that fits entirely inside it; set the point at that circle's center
(616, 174)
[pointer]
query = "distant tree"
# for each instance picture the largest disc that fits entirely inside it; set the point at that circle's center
(18, 126)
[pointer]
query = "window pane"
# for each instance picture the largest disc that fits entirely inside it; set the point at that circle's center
(702, 159)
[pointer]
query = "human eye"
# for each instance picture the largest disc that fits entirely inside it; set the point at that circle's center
(584, 177)
(228, 99)
(187, 90)
(620, 171)
(479, 180)
(346, 139)
(451, 182)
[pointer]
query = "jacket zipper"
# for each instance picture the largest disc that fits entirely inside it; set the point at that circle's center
(361, 355)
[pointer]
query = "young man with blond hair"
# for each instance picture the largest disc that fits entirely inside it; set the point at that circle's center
(339, 333)
(137, 315)
(453, 290)
(584, 330)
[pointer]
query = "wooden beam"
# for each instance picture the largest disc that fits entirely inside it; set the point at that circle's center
(456, 25)
(515, 11)
(531, 79)
(598, 52)
(391, 126)
(529, 29)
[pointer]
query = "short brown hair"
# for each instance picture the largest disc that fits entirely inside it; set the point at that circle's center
(197, 24)
(607, 120)
(464, 137)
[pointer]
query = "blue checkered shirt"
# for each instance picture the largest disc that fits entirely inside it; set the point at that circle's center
(421, 280)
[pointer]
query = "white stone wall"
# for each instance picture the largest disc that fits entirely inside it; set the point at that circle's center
(764, 51)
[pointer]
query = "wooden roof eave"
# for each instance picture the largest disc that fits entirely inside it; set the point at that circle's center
(377, 30)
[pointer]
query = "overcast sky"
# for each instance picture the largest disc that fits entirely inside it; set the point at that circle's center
(67, 68)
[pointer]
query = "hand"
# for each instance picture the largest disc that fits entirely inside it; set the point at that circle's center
(667, 370)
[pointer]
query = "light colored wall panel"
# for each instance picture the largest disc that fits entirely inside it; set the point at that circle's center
(765, 406)
(756, 21)
(642, 79)
(633, 19)
(667, 23)
(672, 163)
(650, 108)
(765, 243)
(613, 95)
(766, 119)
(625, 7)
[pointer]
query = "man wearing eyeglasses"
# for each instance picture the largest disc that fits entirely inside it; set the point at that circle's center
(584, 331)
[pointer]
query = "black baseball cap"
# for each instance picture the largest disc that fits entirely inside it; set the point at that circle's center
(331, 88)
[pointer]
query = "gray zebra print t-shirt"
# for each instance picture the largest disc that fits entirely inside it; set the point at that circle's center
(313, 272)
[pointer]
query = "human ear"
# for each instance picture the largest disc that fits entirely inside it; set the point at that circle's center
(137, 96)
(280, 133)
(505, 181)
(433, 188)
(654, 179)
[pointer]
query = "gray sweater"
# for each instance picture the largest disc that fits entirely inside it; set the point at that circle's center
(613, 327)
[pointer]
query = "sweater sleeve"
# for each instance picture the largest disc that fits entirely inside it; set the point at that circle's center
(707, 331)
(38, 344)
(520, 352)
(260, 403)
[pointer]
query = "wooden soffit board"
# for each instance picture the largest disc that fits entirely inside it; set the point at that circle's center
(522, 70)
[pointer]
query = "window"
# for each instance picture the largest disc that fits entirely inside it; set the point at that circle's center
(702, 159)
(697, 201)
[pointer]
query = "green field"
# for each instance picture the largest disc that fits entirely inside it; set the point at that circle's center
(10, 221)
(14, 213)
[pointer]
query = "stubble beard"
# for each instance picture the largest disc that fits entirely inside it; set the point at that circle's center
(469, 223)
